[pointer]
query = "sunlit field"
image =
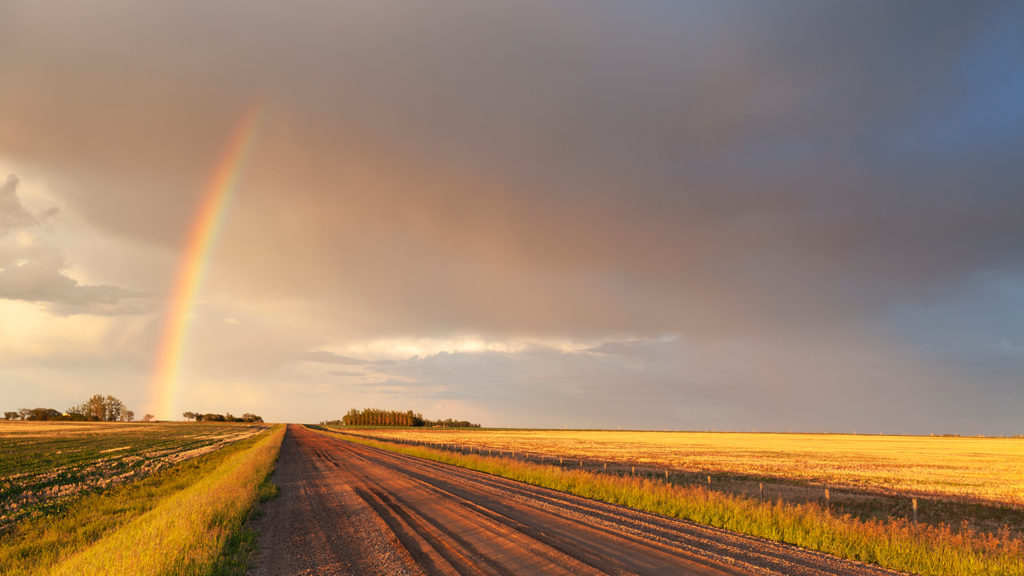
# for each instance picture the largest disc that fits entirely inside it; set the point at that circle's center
(930, 550)
(184, 519)
(46, 465)
(989, 470)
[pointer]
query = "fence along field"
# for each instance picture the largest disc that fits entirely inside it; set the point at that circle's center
(986, 470)
(46, 465)
(929, 550)
(960, 481)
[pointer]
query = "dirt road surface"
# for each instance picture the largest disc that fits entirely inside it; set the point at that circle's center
(349, 509)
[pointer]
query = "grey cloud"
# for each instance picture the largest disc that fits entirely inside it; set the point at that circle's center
(728, 172)
(346, 374)
(548, 387)
(330, 358)
(780, 385)
(34, 271)
(41, 279)
(635, 348)
(649, 170)
(325, 357)
(12, 214)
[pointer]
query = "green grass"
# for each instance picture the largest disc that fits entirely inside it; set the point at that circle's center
(46, 466)
(899, 545)
(185, 520)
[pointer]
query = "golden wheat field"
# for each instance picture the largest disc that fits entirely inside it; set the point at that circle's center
(967, 468)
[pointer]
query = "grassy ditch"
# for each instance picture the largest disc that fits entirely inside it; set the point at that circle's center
(186, 520)
(899, 545)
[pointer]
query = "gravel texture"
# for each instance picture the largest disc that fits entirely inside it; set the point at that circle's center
(349, 509)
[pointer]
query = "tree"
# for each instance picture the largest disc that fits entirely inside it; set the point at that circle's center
(226, 417)
(93, 409)
(103, 408)
(113, 409)
(377, 417)
(12, 415)
(148, 418)
(43, 414)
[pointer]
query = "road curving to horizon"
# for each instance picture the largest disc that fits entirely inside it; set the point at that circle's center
(348, 509)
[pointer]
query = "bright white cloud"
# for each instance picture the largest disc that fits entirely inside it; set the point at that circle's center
(402, 348)
(30, 333)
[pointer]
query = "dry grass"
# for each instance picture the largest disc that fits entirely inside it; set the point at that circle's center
(988, 470)
(900, 545)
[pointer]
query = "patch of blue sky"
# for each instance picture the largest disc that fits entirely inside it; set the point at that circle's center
(979, 110)
(982, 318)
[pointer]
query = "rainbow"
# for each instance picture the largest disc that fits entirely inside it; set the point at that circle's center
(208, 217)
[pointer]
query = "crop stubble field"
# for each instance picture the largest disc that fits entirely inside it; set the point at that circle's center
(351, 506)
(182, 514)
(46, 465)
(985, 470)
(62, 484)
(964, 482)
(930, 549)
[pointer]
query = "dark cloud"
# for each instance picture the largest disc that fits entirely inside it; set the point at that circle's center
(788, 175)
(533, 153)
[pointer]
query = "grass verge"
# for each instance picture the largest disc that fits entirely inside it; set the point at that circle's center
(187, 520)
(899, 545)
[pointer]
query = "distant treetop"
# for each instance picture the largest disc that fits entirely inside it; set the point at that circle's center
(99, 408)
(227, 417)
(378, 417)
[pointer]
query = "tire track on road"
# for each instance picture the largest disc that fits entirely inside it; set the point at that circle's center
(712, 542)
(345, 508)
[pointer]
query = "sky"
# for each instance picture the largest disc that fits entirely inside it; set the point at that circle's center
(772, 216)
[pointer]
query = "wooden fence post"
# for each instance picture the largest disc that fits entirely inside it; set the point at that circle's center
(760, 490)
(913, 503)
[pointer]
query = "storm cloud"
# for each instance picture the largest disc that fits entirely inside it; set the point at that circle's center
(734, 204)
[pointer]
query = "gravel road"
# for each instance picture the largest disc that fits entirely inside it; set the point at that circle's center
(349, 509)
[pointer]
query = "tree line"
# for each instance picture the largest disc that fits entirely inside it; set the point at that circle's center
(378, 417)
(98, 408)
(228, 417)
